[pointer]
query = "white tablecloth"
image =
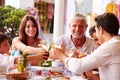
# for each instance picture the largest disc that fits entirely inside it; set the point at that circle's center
(53, 78)
(2, 77)
(58, 78)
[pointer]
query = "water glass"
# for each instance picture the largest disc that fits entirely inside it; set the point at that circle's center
(45, 73)
(32, 73)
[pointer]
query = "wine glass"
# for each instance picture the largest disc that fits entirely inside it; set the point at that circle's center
(46, 44)
(76, 52)
(70, 51)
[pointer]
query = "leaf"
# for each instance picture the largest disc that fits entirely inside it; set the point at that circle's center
(10, 17)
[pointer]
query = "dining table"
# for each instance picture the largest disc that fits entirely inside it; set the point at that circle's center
(32, 74)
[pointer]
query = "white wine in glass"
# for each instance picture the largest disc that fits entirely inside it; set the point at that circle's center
(46, 44)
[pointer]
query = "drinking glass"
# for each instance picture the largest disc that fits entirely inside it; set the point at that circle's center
(71, 51)
(46, 44)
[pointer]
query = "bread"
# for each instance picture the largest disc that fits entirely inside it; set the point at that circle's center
(17, 76)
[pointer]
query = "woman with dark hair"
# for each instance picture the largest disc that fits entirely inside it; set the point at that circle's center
(28, 39)
(34, 12)
(28, 23)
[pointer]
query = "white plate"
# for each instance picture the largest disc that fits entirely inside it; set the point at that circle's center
(58, 78)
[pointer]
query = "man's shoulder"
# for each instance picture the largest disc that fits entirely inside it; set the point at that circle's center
(90, 39)
(63, 37)
(3, 55)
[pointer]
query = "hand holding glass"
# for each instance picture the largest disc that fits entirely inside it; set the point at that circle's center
(46, 44)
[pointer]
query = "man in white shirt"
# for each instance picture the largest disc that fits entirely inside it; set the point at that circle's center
(106, 56)
(77, 39)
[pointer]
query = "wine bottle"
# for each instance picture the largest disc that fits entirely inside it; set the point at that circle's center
(25, 59)
(20, 63)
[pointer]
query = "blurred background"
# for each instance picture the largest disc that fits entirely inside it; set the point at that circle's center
(53, 15)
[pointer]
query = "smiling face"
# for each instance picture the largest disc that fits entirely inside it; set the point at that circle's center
(30, 29)
(77, 27)
(4, 46)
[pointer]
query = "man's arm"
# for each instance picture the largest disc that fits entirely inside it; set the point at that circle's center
(58, 53)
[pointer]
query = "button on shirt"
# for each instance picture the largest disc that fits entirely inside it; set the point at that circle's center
(5, 61)
(106, 57)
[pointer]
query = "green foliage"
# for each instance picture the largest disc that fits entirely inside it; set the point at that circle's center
(10, 18)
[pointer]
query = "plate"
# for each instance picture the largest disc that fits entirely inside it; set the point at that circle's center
(57, 78)
(49, 73)
(41, 68)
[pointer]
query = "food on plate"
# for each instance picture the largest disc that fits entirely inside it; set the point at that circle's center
(17, 75)
(50, 73)
(47, 78)
(55, 73)
(81, 55)
(65, 78)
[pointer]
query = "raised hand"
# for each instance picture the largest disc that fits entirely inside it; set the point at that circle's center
(56, 51)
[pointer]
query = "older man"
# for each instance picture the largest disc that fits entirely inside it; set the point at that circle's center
(77, 39)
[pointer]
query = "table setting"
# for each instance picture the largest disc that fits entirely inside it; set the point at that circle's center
(38, 73)
(53, 72)
(46, 70)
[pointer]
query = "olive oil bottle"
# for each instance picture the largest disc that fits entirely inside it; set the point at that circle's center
(20, 63)
(25, 59)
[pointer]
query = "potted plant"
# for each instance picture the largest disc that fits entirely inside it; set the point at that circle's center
(10, 19)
